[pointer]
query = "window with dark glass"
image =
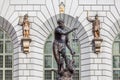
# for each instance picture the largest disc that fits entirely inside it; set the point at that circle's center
(116, 58)
(6, 56)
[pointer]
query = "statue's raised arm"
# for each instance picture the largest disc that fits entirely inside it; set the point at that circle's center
(88, 18)
(95, 26)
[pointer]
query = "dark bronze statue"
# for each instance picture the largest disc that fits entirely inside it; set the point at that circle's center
(96, 26)
(60, 43)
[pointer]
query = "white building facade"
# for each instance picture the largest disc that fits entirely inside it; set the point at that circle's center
(43, 15)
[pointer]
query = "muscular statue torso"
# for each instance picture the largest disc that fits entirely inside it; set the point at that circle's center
(59, 36)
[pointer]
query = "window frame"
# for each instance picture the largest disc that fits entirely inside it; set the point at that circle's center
(4, 54)
(117, 40)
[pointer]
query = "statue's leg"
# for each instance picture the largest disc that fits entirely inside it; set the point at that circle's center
(61, 65)
(63, 52)
(98, 32)
(27, 33)
(24, 33)
(56, 56)
(96, 35)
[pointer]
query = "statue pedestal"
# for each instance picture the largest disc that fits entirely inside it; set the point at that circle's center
(97, 45)
(65, 75)
(25, 44)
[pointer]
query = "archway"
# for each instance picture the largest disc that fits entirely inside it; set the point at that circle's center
(9, 29)
(70, 22)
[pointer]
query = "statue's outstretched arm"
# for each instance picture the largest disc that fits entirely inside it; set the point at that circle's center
(64, 32)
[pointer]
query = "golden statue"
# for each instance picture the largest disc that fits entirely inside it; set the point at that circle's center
(61, 7)
(24, 22)
(26, 26)
(96, 26)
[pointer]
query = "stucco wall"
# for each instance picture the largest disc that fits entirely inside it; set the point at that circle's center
(43, 15)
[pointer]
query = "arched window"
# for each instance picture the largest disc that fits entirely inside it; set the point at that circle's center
(50, 63)
(6, 56)
(116, 58)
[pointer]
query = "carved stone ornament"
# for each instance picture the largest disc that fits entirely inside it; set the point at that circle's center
(97, 45)
(25, 41)
(25, 44)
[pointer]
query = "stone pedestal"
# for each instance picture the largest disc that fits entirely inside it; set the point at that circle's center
(97, 45)
(66, 75)
(25, 44)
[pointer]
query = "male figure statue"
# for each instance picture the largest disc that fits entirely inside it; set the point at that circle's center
(26, 26)
(60, 43)
(96, 26)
